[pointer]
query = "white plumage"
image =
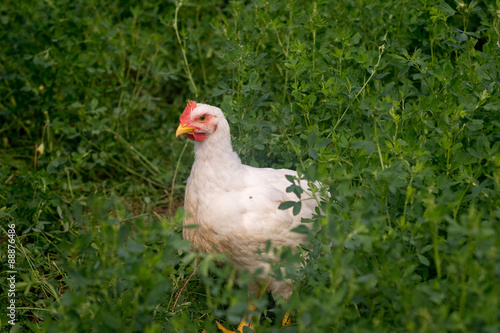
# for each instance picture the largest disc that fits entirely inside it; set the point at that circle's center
(235, 206)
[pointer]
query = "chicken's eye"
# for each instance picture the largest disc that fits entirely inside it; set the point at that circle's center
(202, 118)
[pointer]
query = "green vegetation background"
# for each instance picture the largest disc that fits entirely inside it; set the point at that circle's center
(394, 105)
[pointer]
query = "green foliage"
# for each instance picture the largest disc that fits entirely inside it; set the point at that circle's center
(392, 105)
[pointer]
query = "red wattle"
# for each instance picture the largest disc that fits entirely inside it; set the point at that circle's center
(196, 136)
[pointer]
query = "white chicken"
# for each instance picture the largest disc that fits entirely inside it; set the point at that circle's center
(235, 206)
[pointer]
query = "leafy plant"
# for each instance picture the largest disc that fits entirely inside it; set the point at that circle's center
(391, 105)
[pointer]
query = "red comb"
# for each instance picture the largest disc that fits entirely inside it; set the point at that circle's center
(187, 111)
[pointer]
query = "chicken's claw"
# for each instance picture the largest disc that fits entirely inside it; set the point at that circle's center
(240, 328)
(286, 320)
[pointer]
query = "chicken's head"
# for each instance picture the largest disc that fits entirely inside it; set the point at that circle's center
(198, 121)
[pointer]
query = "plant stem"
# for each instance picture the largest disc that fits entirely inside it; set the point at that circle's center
(178, 5)
(380, 52)
(175, 176)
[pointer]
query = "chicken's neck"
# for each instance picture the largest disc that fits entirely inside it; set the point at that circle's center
(214, 156)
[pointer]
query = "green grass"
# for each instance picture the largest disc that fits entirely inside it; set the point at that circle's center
(393, 105)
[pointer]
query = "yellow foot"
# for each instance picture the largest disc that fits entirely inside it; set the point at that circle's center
(286, 320)
(243, 324)
(246, 321)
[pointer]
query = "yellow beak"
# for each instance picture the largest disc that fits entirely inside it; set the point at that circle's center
(183, 128)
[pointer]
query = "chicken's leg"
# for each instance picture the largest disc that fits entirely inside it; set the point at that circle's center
(286, 320)
(246, 321)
